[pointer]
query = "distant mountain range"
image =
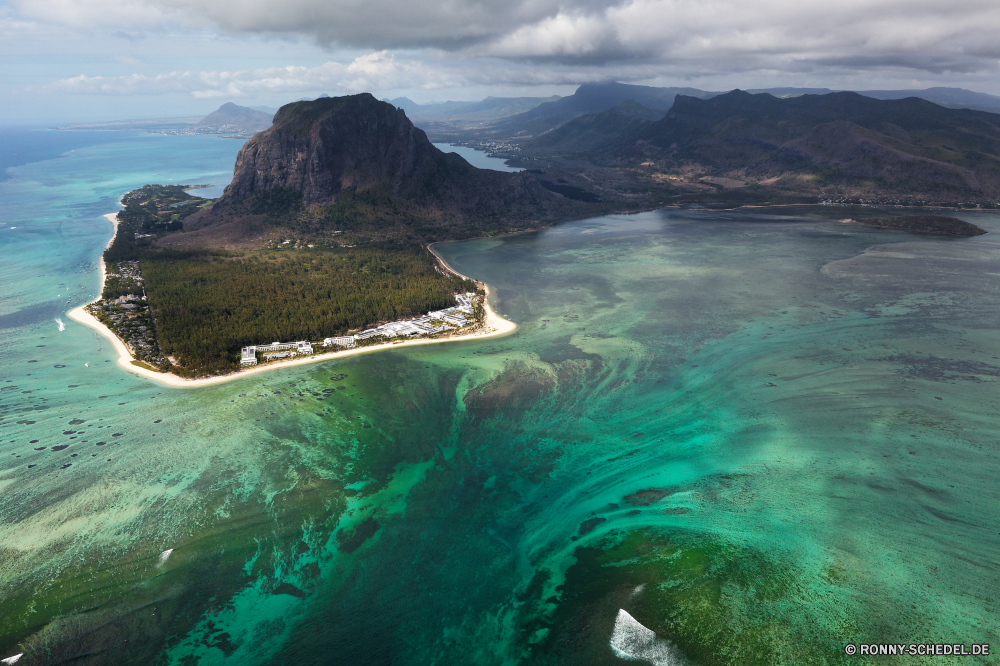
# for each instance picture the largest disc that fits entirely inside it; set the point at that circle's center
(234, 117)
(596, 97)
(490, 108)
(228, 119)
(829, 144)
(588, 98)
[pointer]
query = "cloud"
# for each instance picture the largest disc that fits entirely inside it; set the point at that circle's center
(374, 71)
(703, 38)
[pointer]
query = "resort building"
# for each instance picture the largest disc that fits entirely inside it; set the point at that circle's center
(276, 346)
(446, 320)
(345, 341)
(248, 356)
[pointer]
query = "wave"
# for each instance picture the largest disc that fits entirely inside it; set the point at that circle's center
(633, 641)
(62, 326)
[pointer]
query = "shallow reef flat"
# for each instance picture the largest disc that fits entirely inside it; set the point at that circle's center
(761, 435)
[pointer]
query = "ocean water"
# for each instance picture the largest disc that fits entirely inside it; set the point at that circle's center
(477, 158)
(763, 435)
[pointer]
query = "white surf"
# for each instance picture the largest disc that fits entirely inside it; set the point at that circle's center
(631, 640)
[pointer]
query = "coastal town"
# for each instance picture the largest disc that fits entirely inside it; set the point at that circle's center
(125, 311)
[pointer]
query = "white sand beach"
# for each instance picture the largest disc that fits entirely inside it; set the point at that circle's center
(494, 326)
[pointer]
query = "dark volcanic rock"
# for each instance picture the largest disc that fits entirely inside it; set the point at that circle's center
(325, 148)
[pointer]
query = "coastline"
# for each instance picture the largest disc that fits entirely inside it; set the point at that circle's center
(493, 326)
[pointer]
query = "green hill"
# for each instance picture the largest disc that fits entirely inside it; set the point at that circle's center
(833, 144)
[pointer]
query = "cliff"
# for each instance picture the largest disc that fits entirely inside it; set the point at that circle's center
(323, 159)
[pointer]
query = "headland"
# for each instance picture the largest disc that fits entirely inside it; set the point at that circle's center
(493, 325)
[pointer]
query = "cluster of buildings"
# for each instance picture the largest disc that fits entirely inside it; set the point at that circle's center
(274, 351)
(432, 322)
(126, 301)
(126, 270)
(129, 318)
(228, 128)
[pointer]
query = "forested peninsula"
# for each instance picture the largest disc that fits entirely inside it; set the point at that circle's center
(323, 248)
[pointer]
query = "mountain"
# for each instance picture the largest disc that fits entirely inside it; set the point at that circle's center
(596, 97)
(231, 116)
(589, 98)
(578, 137)
(404, 103)
(953, 98)
(490, 108)
(908, 144)
(357, 163)
(790, 92)
(839, 142)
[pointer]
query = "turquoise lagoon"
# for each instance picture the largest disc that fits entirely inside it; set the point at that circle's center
(765, 435)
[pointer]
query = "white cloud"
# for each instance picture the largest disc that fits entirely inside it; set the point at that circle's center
(560, 35)
(374, 71)
(707, 35)
(450, 44)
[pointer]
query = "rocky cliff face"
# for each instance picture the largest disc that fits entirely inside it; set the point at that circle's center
(323, 147)
(334, 145)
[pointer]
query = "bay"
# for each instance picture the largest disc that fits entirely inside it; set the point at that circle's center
(477, 158)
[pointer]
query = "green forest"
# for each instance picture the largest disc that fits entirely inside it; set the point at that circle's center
(149, 211)
(208, 304)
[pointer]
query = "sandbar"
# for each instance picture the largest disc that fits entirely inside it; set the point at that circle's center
(493, 326)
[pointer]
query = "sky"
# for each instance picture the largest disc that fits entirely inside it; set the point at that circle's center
(93, 60)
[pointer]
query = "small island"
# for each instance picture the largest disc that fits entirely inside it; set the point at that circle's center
(935, 225)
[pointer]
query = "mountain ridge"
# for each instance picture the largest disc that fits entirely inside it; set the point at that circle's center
(235, 116)
(819, 143)
(602, 96)
(358, 164)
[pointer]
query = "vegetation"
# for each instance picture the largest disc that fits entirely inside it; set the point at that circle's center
(938, 225)
(123, 278)
(204, 304)
(208, 304)
(133, 323)
(835, 146)
(151, 210)
(721, 604)
(276, 202)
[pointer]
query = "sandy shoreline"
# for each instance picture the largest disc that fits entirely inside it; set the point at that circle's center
(494, 326)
